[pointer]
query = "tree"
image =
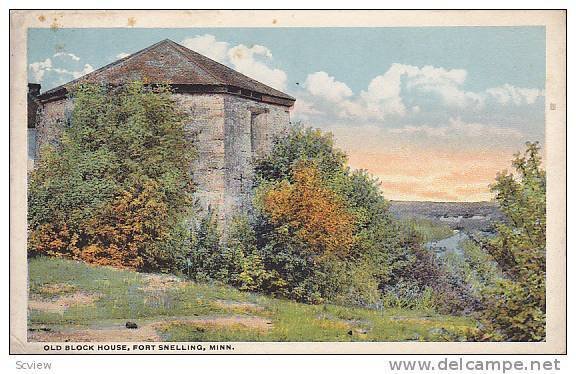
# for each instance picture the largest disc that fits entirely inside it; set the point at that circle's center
(312, 212)
(325, 229)
(516, 305)
(118, 187)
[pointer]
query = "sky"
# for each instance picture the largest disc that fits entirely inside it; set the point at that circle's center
(433, 112)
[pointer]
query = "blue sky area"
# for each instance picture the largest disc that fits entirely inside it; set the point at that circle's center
(491, 55)
(474, 94)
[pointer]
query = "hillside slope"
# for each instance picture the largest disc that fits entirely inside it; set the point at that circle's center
(73, 301)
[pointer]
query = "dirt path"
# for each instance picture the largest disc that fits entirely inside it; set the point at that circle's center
(146, 331)
(59, 304)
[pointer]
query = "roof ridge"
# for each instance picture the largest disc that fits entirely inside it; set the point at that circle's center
(181, 66)
(252, 80)
(177, 47)
(107, 66)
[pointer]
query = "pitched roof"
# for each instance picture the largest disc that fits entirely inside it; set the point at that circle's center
(168, 62)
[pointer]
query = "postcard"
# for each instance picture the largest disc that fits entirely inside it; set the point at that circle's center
(247, 182)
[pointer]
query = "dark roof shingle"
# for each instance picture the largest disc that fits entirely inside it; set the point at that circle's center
(167, 62)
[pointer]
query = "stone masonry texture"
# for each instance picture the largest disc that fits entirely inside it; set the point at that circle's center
(234, 118)
(231, 133)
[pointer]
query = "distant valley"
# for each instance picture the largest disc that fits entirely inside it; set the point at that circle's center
(465, 216)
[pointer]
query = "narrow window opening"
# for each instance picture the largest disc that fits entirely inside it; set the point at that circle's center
(253, 131)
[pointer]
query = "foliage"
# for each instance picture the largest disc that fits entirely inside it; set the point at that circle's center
(483, 271)
(245, 265)
(118, 186)
(516, 305)
(126, 231)
(312, 209)
(424, 279)
(326, 231)
(429, 231)
(313, 213)
(127, 295)
(301, 143)
(204, 261)
(233, 261)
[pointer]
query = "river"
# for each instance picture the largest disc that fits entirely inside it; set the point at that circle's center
(448, 245)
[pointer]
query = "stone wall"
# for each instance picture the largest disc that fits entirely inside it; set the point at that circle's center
(206, 121)
(230, 133)
(51, 119)
(250, 128)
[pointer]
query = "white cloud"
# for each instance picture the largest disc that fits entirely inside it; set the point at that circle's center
(87, 69)
(67, 55)
(385, 90)
(385, 95)
(207, 45)
(431, 77)
(122, 55)
(400, 92)
(304, 110)
(254, 61)
(74, 73)
(457, 129)
(508, 94)
(38, 69)
(322, 85)
(41, 68)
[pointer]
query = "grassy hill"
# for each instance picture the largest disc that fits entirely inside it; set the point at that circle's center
(73, 301)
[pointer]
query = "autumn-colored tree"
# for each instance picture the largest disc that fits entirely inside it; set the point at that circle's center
(52, 239)
(117, 187)
(316, 214)
(325, 231)
(125, 230)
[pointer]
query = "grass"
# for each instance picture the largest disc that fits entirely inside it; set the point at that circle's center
(123, 295)
(429, 231)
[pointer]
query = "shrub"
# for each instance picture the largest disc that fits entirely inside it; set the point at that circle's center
(245, 264)
(235, 260)
(117, 188)
(204, 260)
(52, 239)
(326, 232)
(515, 307)
(298, 275)
(315, 214)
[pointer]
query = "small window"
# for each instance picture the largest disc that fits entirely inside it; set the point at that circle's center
(253, 131)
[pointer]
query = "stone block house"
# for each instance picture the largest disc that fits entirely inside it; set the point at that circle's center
(236, 117)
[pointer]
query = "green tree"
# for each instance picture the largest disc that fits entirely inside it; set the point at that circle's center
(118, 186)
(309, 200)
(516, 305)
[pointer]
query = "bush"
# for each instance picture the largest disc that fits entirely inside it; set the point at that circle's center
(235, 260)
(326, 232)
(515, 307)
(298, 275)
(204, 261)
(117, 188)
(312, 212)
